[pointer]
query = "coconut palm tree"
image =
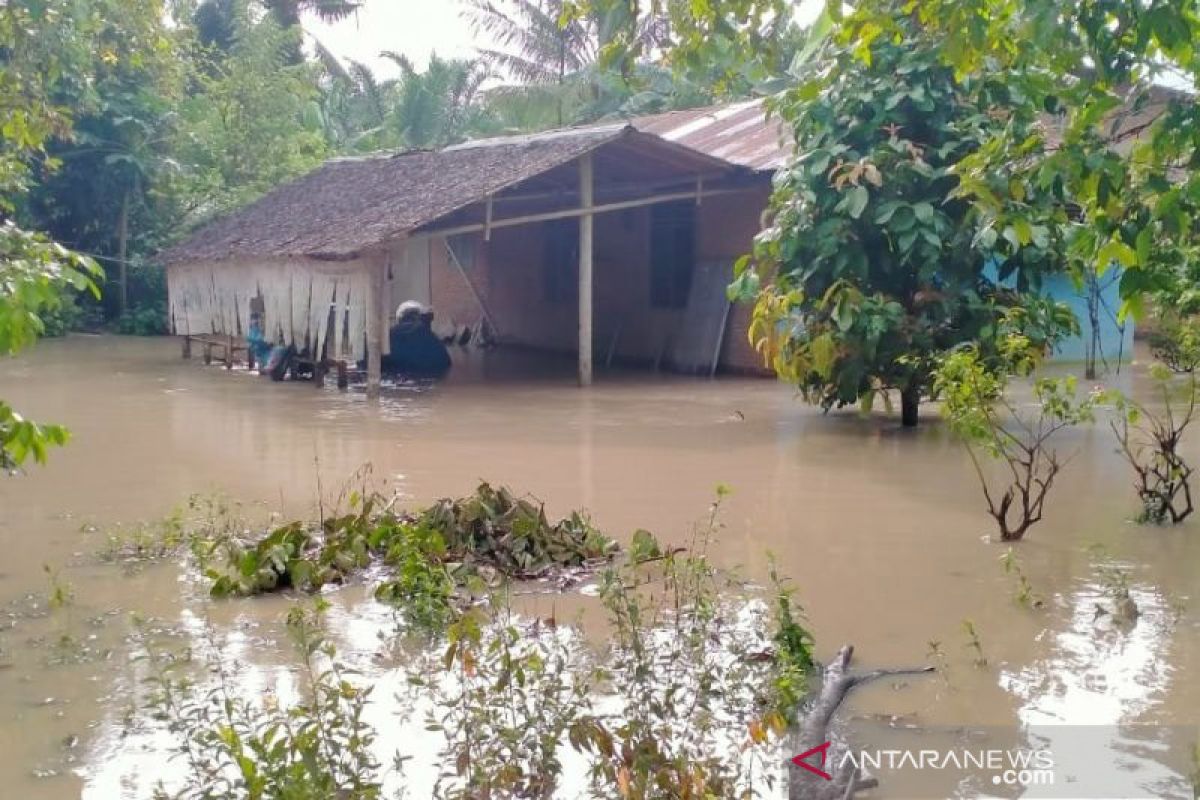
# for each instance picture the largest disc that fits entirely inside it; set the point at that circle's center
(438, 106)
(532, 47)
(552, 60)
(433, 108)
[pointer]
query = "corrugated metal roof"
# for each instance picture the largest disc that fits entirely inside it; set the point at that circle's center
(739, 133)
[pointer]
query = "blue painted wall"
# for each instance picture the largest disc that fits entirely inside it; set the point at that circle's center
(1114, 339)
(1061, 288)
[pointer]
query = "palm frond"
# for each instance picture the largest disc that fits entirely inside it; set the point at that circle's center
(400, 60)
(332, 64)
(531, 45)
(327, 10)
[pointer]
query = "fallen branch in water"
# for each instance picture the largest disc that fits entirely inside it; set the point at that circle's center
(812, 731)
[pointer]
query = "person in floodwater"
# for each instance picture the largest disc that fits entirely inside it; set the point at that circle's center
(256, 340)
(415, 350)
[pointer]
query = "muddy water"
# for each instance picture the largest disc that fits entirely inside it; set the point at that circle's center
(882, 531)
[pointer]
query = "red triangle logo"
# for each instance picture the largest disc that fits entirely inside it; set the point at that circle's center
(800, 761)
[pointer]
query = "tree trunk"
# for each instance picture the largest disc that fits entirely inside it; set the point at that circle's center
(122, 255)
(910, 403)
(811, 733)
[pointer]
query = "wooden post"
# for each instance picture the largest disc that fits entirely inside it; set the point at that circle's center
(374, 325)
(229, 353)
(187, 346)
(586, 199)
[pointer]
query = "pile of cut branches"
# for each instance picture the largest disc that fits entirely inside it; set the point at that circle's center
(430, 552)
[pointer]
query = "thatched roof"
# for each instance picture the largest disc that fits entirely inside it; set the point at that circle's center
(349, 205)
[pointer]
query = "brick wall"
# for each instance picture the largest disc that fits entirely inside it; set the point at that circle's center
(450, 294)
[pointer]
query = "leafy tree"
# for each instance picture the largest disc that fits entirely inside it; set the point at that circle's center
(111, 184)
(534, 43)
(871, 267)
(1137, 204)
(253, 122)
(288, 12)
(732, 46)
(1151, 440)
(34, 271)
(215, 23)
(551, 52)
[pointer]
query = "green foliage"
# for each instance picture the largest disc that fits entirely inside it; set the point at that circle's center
(494, 527)
(974, 643)
(1024, 593)
(146, 543)
(732, 46)
(692, 668)
(516, 688)
(975, 401)
(253, 121)
(1134, 205)
(428, 555)
(60, 594)
(110, 191)
(34, 272)
(871, 267)
(793, 651)
(1175, 341)
(558, 57)
(143, 320)
(235, 747)
(422, 585)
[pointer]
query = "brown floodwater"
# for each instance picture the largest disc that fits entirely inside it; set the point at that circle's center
(881, 530)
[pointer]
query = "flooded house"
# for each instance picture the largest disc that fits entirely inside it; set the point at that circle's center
(612, 242)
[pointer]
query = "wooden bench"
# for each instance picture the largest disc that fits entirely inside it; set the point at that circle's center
(227, 349)
(229, 346)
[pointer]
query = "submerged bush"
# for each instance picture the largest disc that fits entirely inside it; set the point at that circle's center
(1176, 342)
(975, 400)
(427, 554)
(1151, 441)
(235, 748)
(689, 697)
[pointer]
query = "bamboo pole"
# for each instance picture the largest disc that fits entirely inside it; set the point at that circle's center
(374, 303)
(586, 226)
(568, 213)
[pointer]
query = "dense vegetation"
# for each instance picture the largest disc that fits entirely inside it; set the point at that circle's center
(133, 121)
(872, 266)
